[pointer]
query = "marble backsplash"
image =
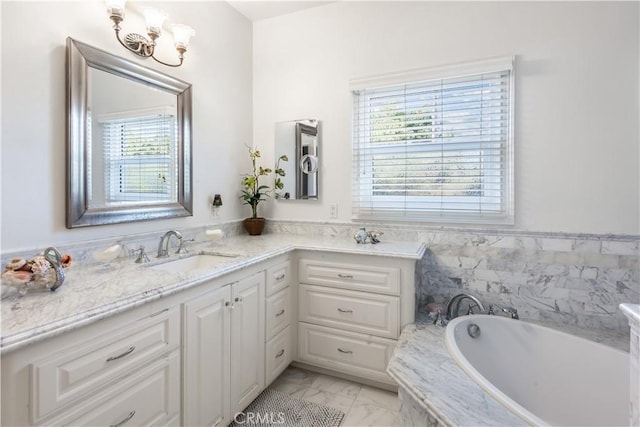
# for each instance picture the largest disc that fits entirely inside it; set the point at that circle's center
(568, 279)
(83, 251)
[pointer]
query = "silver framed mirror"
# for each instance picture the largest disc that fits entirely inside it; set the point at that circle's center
(128, 141)
(299, 140)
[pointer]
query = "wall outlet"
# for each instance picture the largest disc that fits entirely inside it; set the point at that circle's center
(333, 210)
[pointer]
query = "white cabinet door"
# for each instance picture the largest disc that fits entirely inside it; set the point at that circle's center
(247, 341)
(206, 359)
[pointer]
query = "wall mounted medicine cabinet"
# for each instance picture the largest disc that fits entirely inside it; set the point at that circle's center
(299, 140)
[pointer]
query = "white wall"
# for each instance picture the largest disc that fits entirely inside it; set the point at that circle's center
(218, 64)
(577, 135)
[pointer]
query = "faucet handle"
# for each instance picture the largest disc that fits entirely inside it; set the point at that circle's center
(511, 312)
(439, 319)
(182, 249)
(142, 255)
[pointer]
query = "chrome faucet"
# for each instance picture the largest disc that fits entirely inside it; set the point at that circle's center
(163, 247)
(453, 307)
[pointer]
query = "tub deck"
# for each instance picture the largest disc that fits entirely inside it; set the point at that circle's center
(425, 371)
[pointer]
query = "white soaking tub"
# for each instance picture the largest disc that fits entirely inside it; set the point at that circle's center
(544, 376)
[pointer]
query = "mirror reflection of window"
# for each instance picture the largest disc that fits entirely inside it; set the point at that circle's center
(140, 158)
(133, 149)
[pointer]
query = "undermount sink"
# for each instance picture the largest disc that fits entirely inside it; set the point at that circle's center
(201, 261)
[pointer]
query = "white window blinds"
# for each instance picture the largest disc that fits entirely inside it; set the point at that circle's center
(438, 149)
(139, 156)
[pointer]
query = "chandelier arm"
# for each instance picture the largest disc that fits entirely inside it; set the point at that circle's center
(167, 64)
(117, 30)
(145, 48)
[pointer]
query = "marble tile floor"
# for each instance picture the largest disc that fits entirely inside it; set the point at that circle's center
(363, 405)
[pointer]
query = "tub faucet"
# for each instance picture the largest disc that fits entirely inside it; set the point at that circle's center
(512, 312)
(163, 247)
(453, 307)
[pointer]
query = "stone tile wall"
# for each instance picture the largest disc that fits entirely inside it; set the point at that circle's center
(569, 279)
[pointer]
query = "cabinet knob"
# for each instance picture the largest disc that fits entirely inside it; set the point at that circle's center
(127, 418)
(238, 299)
(228, 304)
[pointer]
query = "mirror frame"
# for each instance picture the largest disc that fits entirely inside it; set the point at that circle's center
(80, 57)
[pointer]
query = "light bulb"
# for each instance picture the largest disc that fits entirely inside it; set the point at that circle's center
(181, 36)
(115, 8)
(154, 19)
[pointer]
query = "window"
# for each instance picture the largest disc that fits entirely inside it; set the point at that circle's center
(435, 145)
(139, 155)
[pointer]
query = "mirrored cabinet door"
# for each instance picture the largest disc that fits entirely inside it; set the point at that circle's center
(299, 141)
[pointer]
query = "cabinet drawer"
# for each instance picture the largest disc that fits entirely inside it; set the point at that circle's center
(356, 311)
(77, 371)
(278, 312)
(150, 397)
(370, 278)
(278, 354)
(278, 277)
(350, 352)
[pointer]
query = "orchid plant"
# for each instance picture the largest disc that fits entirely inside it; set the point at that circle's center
(253, 192)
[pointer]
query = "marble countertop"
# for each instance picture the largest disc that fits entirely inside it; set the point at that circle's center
(93, 290)
(632, 311)
(423, 366)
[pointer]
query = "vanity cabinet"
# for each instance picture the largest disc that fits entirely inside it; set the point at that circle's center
(351, 309)
(200, 355)
(279, 311)
(223, 350)
(122, 371)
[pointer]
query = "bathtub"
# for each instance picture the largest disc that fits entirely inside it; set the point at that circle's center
(544, 376)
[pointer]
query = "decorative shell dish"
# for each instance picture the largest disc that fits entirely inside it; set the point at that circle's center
(44, 271)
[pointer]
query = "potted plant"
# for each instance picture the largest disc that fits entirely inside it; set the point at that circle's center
(254, 192)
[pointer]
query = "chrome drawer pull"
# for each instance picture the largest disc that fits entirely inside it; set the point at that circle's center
(131, 414)
(280, 277)
(159, 313)
(280, 353)
(345, 311)
(238, 299)
(345, 276)
(345, 351)
(112, 358)
(280, 313)
(228, 304)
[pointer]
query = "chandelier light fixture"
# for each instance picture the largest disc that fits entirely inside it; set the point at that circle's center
(143, 46)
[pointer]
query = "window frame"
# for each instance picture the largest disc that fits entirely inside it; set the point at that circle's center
(365, 209)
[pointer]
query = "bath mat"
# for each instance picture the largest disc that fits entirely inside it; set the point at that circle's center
(274, 408)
